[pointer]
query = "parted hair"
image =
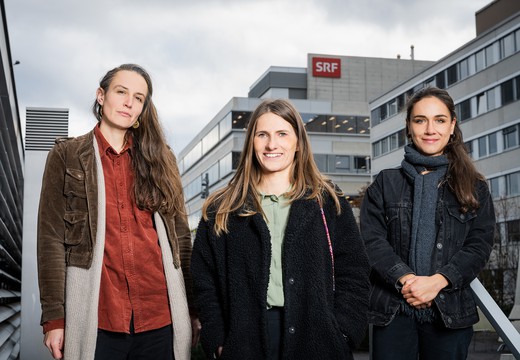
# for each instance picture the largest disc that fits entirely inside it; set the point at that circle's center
(462, 175)
(241, 194)
(157, 182)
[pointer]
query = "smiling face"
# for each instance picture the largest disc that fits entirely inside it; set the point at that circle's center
(275, 144)
(430, 126)
(123, 101)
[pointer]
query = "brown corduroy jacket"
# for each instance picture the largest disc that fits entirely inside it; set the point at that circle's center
(67, 223)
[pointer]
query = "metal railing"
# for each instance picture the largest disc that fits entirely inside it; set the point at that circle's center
(497, 318)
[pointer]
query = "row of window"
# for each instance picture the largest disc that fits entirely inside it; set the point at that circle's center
(493, 98)
(342, 124)
(505, 186)
(478, 61)
(495, 142)
(332, 164)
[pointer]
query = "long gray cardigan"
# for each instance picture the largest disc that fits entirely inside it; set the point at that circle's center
(82, 291)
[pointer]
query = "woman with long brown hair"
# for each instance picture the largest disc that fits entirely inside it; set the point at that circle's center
(428, 228)
(113, 240)
(278, 265)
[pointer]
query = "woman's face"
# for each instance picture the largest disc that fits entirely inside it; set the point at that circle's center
(123, 101)
(431, 126)
(275, 144)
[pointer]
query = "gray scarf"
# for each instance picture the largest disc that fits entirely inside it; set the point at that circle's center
(425, 193)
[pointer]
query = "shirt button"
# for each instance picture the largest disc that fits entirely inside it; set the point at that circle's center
(462, 216)
(291, 281)
(439, 246)
(441, 296)
(292, 330)
(449, 320)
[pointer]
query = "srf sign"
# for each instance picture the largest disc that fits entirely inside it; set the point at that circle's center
(326, 67)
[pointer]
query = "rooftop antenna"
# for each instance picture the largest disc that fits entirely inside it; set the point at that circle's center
(412, 56)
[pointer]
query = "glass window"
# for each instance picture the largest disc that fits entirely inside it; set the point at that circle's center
(321, 162)
(482, 147)
(517, 40)
(472, 69)
(225, 165)
(465, 110)
(392, 107)
(507, 92)
(360, 164)
(493, 188)
(452, 74)
(492, 143)
(375, 116)
(480, 60)
(383, 112)
(463, 69)
(213, 174)
(513, 184)
(491, 99)
(224, 126)
(210, 140)
(481, 103)
(440, 80)
(341, 163)
(507, 45)
(393, 141)
(384, 145)
(376, 148)
(401, 138)
(492, 54)
(513, 230)
(510, 136)
(240, 119)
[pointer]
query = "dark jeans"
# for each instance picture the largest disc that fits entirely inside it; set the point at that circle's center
(406, 339)
(148, 345)
(274, 330)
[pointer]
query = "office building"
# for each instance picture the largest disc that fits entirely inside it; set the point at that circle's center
(332, 96)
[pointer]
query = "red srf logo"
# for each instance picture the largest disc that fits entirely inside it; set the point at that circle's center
(326, 67)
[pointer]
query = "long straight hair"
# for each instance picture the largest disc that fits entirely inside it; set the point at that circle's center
(241, 195)
(157, 182)
(462, 175)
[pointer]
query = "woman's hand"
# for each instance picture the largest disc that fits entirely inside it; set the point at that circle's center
(419, 291)
(54, 340)
(195, 330)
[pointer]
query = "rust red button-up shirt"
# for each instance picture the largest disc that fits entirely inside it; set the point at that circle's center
(132, 275)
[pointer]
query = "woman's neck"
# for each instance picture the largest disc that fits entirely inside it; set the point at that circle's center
(274, 184)
(115, 137)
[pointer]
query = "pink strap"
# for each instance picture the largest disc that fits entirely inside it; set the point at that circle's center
(330, 246)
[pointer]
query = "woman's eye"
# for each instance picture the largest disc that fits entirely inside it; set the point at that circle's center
(140, 99)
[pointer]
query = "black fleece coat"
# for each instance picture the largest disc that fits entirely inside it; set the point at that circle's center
(231, 274)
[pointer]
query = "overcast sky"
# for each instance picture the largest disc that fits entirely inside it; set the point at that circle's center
(201, 53)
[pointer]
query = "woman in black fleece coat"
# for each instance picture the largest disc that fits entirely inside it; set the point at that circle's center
(318, 308)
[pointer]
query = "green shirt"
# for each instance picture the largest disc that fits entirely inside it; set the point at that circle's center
(276, 210)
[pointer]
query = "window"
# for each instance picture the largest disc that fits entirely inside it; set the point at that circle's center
(491, 99)
(225, 165)
(482, 147)
(375, 116)
(464, 110)
(469, 148)
(513, 230)
(517, 40)
(341, 163)
(440, 80)
(507, 45)
(360, 164)
(210, 140)
(471, 65)
(513, 184)
(492, 54)
(321, 162)
(392, 107)
(493, 188)
(376, 149)
(492, 143)
(507, 92)
(510, 137)
(481, 103)
(463, 69)
(480, 60)
(452, 74)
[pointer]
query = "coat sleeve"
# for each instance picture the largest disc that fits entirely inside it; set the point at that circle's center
(351, 271)
(373, 224)
(206, 286)
(51, 238)
(466, 263)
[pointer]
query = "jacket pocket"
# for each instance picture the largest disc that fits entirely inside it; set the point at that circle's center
(75, 183)
(459, 223)
(75, 228)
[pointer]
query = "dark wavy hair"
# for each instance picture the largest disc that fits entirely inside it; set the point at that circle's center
(157, 182)
(462, 175)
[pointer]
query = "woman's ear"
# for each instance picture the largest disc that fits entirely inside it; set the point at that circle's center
(100, 96)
